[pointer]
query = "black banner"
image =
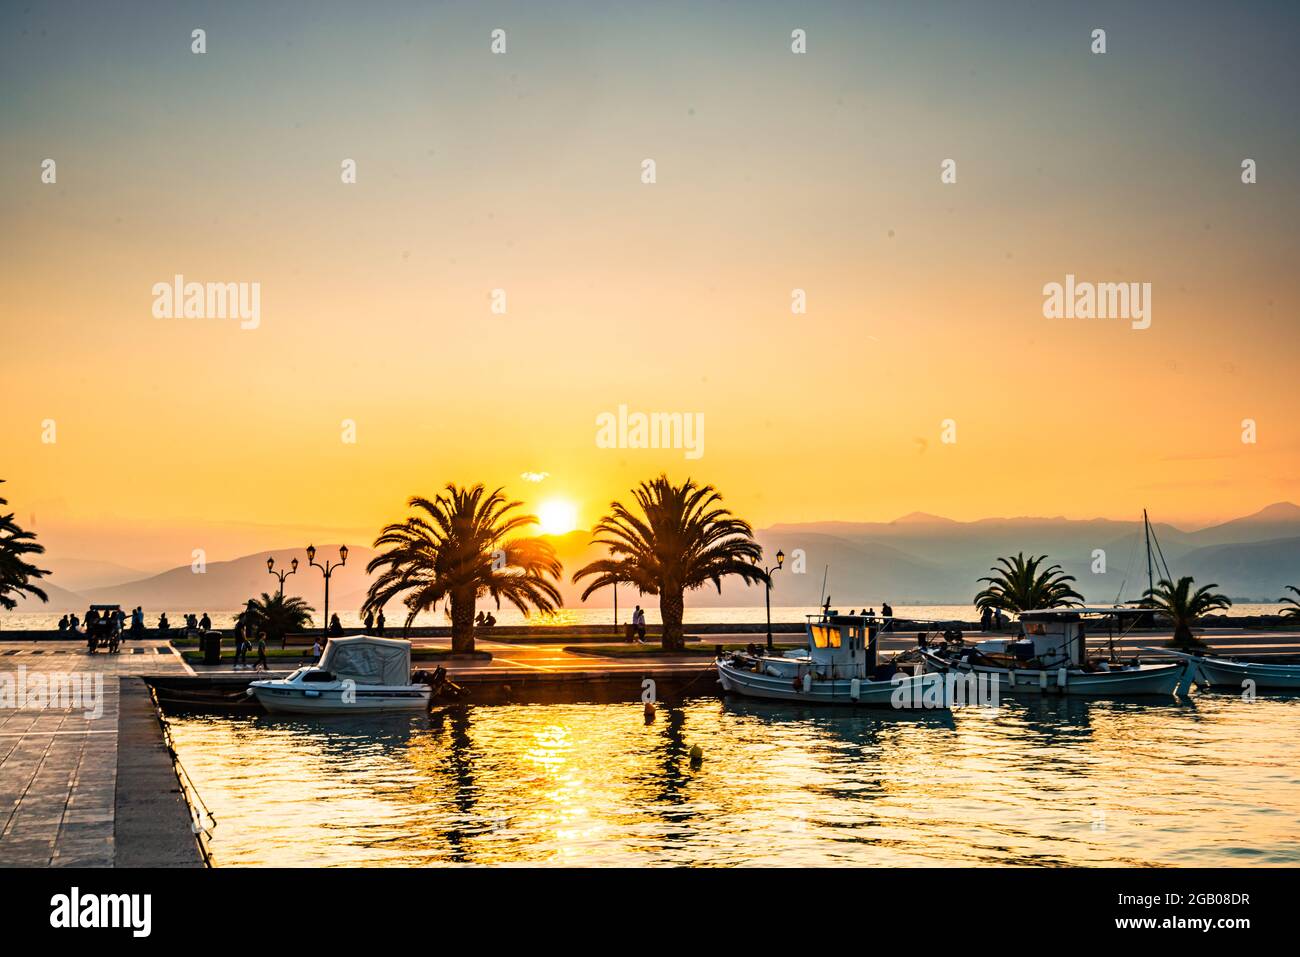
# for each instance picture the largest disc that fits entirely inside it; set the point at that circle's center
(224, 907)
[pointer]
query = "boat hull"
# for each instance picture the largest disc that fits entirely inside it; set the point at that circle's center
(1146, 680)
(910, 692)
(1221, 675)
(291, 699)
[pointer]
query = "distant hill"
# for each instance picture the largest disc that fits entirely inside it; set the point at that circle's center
(1278, 521)
(957, 554)
(61, 600)
(1258, 570)
(227, 585)
(78, 574)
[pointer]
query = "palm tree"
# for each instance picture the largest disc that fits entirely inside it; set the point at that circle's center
(17, 574)
(278, 615)
(459, 547)
(1019, 586)
(1294, 610)
(681, 540)
(1183, 606)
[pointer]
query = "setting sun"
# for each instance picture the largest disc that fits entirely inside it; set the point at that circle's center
(557, 517)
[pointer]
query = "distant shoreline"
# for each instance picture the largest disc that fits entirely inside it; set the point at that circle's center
(16, 626)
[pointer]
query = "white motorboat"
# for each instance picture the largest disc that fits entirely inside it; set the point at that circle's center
(838, 666)
(1228, 674)
(1052, 658)
(360, 675)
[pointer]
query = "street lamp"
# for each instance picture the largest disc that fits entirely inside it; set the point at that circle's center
(767, 591)
(327, 569)
(282, 575)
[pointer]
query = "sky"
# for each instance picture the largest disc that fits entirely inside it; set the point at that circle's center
(378, 368)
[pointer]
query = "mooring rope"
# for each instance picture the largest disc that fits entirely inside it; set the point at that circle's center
(189, 789)
(710, 669)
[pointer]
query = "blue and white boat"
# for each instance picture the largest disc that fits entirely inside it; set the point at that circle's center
(838, 666)
(360, 675)
(1051, 657)
(1232, 674)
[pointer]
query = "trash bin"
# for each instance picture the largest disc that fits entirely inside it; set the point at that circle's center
(211, 648)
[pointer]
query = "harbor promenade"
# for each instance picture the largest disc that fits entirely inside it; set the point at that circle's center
(86, 779)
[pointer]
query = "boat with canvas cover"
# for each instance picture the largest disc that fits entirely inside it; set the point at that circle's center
(359, 675)
(838, 666)
(1052, 658)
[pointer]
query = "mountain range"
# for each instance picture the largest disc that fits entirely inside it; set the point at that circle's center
(916, 558)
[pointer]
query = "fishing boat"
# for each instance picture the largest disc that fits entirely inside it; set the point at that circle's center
(1052, 658)
(359, 675)
(1232, 674)
(838, 666)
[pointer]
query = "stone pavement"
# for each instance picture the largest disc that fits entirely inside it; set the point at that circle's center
(59, 754)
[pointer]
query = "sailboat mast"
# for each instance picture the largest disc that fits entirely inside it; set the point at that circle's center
(1146, 525)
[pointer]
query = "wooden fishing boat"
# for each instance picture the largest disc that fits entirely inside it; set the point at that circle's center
(1052, 658)
(1233, 674)
(838, 666)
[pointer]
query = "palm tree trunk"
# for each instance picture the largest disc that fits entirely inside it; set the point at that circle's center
(1183, 635)
(462, 621)
(671, 608)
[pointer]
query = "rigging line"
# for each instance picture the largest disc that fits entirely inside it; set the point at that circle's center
(1169, 576)
(1129, 570)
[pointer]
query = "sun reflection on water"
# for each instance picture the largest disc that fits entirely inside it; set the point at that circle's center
(1053, 782)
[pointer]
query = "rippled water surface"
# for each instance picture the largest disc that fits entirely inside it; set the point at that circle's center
(1209, 781)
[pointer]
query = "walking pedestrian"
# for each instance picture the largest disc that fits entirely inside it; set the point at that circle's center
(638, 622)
(379, 624)
(241, 647)
(261, 651)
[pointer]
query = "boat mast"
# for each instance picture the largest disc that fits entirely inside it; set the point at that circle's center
(1146, 524)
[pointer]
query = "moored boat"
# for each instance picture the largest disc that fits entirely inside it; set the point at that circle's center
(1230, 674)
(359, 675)
(1052, 658)
(838, 666)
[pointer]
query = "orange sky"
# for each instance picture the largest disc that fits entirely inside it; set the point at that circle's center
(775, 172)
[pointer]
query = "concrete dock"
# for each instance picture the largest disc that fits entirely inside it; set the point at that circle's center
(88, 781)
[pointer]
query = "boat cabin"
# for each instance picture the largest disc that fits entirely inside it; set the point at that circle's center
(842, 646)
(1060, 635)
